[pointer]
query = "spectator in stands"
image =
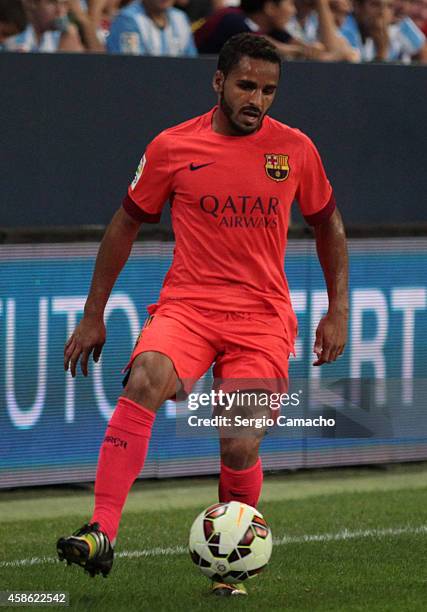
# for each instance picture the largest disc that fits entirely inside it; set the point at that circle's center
(406, 34)
(198, 10)
(341, 9)
(91, 37)
(48, 30)
(273, 18)
(13, 20)
(100, 14)
(98, 9)
(268, 17)
(418, 14)
(304, 24)
(151, 27)
(103, 13)
(374, 32)
(319, 21)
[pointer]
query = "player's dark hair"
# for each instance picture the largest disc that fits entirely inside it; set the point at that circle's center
(250, 45)
(12, 11)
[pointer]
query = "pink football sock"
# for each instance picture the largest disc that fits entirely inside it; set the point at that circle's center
(241, 485)
(121, 458)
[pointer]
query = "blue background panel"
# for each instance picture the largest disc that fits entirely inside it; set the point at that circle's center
(51, 426)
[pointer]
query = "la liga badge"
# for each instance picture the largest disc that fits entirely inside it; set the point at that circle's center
(277, 166)
(139, 171)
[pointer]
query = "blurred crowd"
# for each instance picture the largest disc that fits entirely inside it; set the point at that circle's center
(323, 30)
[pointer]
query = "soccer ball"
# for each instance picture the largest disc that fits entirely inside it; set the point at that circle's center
(230, 542)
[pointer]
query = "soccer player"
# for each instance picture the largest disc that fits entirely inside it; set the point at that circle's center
(231, 176)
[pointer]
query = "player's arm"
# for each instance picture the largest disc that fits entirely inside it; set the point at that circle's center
(113, 253)
(143, 203)
(331, 244)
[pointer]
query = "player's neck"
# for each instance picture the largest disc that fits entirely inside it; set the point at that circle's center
(221, 125)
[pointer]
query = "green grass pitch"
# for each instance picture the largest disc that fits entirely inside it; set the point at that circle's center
(346, 540)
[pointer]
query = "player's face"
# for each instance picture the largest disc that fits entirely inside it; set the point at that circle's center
(247, 93)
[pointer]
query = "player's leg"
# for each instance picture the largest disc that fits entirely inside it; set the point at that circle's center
(241, 469)
(167, 352)
(122, 455)
(152, 380)
(240, 480)
(256, 360)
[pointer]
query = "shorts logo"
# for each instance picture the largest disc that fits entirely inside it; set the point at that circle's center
(139, 172)
(277, 166)
(147, 322)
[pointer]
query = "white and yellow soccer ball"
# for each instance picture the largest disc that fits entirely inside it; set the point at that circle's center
(230, 542)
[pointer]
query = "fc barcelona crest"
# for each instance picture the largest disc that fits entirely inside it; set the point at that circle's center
(277, 166)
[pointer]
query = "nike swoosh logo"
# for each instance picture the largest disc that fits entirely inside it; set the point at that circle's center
(198, 166)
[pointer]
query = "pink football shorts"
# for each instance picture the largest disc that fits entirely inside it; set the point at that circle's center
(247, 350)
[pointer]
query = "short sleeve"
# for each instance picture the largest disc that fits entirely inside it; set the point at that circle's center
(152, 185)
(314, 193)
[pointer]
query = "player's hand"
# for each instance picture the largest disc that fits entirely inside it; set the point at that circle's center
(88, 336)
(331, 337)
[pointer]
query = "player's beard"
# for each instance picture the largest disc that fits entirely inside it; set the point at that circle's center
(241, 130)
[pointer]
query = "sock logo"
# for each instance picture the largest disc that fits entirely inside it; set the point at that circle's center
(117, 442)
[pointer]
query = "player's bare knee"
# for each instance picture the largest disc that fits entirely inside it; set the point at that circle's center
(151, 381)
(142, 389)
(239, 453)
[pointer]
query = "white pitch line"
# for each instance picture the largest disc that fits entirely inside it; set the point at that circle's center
(344, 534)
